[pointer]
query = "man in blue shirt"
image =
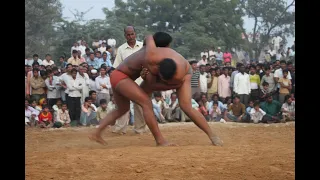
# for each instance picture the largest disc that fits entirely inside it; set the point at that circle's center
(105, 60)
(93, 62)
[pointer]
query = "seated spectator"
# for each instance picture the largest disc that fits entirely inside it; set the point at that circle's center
(272, 109)
(237, 111)
(45, 118)
(182, 115)
(30, 114)
(121, 124)
(35, 106)
(93, 96)
(288, 109)
(171, 107)
(248, 109)
(285, 86)
(256, 114)
(63, 117)
(227, 102)
(167, 95)
(158, 105)
(215, 112)
(88, 112)
(42, 103)
(203, 110)
(292, 97)
(102, 110)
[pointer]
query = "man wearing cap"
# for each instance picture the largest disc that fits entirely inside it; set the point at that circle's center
(219, 56)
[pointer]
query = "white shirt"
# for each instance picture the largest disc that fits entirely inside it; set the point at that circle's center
(64, 78)
(103, 81)
(46, 63)
(111, 42)
(277, 40)
(202, 62)
(203, 84)
(54, 88)
(74, 48)
(257, 116)
(278, 74)
(74, 87)
(82, 49)
(242, 84)
(102, 49)
(92, 85)
(124, 51)
(211, 53)
(204, 53)
(278, 56)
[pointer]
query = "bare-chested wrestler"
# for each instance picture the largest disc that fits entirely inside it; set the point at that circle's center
(166, 69)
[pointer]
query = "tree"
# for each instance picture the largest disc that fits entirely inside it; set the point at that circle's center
(271, 17)
(41, 18)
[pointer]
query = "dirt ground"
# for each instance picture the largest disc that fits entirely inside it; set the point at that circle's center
(250, 151)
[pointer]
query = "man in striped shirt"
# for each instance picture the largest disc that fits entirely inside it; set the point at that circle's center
(195, 78)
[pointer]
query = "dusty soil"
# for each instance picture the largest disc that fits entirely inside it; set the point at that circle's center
(250, 151)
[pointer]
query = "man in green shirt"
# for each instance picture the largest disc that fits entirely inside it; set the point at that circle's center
(272, 109)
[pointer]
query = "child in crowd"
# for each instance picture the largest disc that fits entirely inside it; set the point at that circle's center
(63, 117)
(102, 109)
(42, 103)
(56, 107)
(35, 106)
(45, 118)
(248, 110)
(256, 113)
(215, 112)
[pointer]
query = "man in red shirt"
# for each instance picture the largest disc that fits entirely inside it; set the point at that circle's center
(227, 57)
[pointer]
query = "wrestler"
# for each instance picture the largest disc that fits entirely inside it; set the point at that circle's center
(168, 70)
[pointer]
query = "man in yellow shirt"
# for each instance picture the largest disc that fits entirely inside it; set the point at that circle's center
(74, 60)
(213, 84)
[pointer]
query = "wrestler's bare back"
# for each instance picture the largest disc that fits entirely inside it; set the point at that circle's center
(133, 64)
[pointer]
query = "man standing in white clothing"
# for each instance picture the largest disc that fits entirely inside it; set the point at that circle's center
(125, 50)
(276, 42)
(47, 61)
(203, 79)
(74, 47)
(82, 47)
(242, 86)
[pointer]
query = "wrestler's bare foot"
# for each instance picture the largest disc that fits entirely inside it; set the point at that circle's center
(166, 143)
(97, 138)
(216, 141)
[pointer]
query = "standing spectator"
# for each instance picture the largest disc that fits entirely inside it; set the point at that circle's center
(63, 82)
(227, 57)
(166, 95)
(242, 86)
(86, 56)
(212, 54)
(82, 47)
(47, 61)
(288, 109)
(293, 75)
(224, 84)
(63, 115)
(83, 78)
(260, 70)
(75, 47)
(269, 78)
(52, 84)
(98, 57)
(203, 79)
(37, 85)
(279, 73)
(103, 48)
(74, 60)
(35, 65)
(195, 78)
(93, 62)
(219, 57)
(92, 76)
(237, 111)
(254, 83)
(102, 110)
(103, 85)
(109, 51)
(35, 59)
(74, 97)
(256, 113)
(105, 60)
(95, 44)
(82, 59)
(213, 84)
(203, 61)
(45, 118)
(62, 61)
(233, 75)
(272, 109)
(285, 86)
